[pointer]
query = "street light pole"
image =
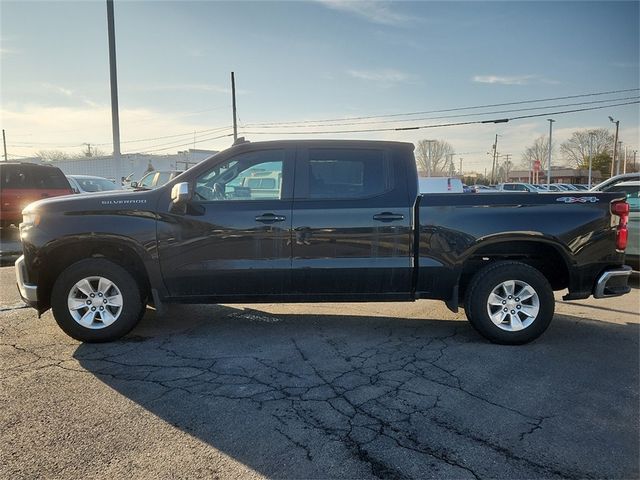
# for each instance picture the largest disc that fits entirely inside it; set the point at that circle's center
(115, 118)
(591, 135)
(550, 145)
(615, 144)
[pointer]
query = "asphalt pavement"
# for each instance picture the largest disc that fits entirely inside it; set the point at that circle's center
(389, 390)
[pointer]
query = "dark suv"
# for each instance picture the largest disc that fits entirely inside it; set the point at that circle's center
(23, 183)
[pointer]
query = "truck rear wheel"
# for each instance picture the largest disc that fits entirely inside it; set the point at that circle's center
(509, 303)
(95, 300)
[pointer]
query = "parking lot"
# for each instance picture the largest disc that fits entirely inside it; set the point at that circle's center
(321, 391)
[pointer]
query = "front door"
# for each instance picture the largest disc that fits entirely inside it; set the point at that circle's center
(234, 240)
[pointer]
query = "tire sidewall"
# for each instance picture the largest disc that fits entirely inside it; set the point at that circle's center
(129, 289)
(487, 280)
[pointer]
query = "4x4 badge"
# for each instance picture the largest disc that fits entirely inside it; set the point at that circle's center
(577, 199)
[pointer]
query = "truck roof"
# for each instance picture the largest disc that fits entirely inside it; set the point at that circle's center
(325, 143)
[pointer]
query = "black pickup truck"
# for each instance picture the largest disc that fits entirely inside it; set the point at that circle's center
(310, 221)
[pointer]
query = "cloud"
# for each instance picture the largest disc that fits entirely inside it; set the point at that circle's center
(57, 89)
(625, 64)
(385, 77)
(501, 80)
(513, 79)
(379, 12)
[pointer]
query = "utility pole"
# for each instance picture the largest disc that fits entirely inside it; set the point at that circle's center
(115, 118)
(624, 165)
(495, 154)
(550, 146)
(460, 166)
(507, 166)
(4, 143)
(591, 135)
(233, 98)
(635, 152)
(618, 163)
(615, 144)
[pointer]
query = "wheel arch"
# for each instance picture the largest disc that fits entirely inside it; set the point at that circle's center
(61, 253)
(543, 254)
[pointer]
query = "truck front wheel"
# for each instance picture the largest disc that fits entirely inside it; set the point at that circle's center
(95, 300)
(509, 303)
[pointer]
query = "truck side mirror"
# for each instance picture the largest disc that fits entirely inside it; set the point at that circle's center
(180, 193)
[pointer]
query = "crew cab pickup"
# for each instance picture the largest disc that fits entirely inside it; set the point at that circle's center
(344, 222)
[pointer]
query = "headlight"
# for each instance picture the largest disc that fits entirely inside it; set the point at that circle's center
(30, 219)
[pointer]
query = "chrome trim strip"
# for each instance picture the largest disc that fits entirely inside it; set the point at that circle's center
(28, 292)
(601, 284)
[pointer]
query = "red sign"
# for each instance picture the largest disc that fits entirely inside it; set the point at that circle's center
(537, 166)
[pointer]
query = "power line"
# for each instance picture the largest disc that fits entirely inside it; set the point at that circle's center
(191, 142)
(453, 124)
(186, 144)
(567, 97)
(458, 115)
(209, 130)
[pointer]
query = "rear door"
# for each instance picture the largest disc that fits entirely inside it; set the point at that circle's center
(352, 221)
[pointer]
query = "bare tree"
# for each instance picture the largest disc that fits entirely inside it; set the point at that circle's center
(538, 151)
(576, 149)
(440, 151)
(51, 155)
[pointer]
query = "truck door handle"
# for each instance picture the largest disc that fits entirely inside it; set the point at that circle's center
(270, 218)
(388, 217)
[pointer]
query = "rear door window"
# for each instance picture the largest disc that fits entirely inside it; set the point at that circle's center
(33, 177)
(48, 178)
(348, 173)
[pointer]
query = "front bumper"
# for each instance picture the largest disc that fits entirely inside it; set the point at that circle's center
(29, 293)
(612, 283)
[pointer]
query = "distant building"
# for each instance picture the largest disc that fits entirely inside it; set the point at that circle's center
(558, 175)
(134, 165)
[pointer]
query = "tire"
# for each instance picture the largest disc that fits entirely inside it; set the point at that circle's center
(116, 302)
(498, 291)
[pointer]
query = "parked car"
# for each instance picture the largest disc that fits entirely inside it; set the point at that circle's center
(517, 187)
(155, 179)
(624, 177)
(440, 185)
(632, 190)
(91, 184)
(347, 224)
(482, 189)
(23, 183)
(555, 187)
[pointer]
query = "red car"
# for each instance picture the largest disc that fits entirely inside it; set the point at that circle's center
(23, 183)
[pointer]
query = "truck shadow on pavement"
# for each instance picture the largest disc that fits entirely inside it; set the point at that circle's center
(328, 396)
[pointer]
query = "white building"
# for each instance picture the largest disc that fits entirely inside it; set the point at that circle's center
(134, 165)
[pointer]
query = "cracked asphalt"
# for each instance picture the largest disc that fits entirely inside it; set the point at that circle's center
(321, 391)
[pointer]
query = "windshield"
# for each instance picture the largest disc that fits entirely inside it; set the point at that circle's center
(95, 184)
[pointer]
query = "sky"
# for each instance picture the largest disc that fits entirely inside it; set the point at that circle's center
(305, 61)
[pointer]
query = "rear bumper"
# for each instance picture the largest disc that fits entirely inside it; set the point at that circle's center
(28, 292)
(612, 283)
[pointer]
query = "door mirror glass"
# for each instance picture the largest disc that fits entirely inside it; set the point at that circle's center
(180, 193)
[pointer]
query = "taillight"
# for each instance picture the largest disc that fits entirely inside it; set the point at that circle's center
(621, 209)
